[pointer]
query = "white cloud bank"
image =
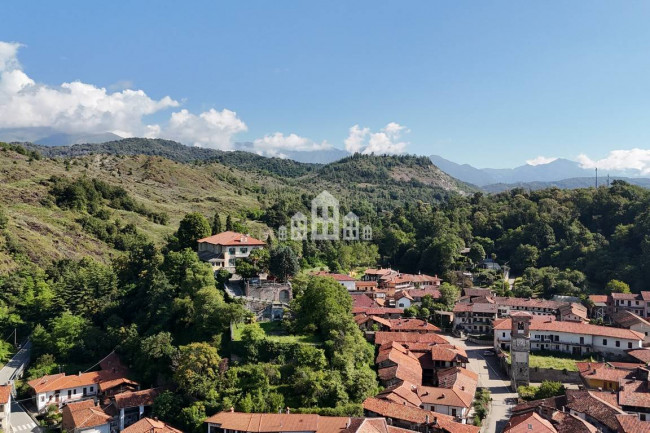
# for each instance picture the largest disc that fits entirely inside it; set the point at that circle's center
(540, 160)
(632, 159)
(77, 107)
(274, 144)
(386, 141)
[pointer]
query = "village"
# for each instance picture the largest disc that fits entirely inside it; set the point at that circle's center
(462, 372)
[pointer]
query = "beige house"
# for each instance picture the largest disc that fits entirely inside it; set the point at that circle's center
(222, 250)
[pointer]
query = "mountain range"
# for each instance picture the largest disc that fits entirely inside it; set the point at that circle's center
(561, 173)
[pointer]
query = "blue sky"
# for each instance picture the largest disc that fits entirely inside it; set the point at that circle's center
(486, 83)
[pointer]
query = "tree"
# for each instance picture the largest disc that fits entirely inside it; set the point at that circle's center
(198, 370)
(229, 225)
(283, 262)
(549, 389)
(216, 224)
(192, 227)
(449, 294)
(616, 286)
(66, 334)
(476, 253)
(525, 256)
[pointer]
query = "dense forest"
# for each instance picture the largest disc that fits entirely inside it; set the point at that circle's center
(152, 300)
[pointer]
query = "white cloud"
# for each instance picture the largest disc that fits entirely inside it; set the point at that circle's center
(387, 140)
(632, 159)
(274, 144)
(540, 160)
(77, 107)
(211, 128)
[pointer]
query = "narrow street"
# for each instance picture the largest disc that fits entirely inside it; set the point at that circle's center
(19, 419)
(492, 378)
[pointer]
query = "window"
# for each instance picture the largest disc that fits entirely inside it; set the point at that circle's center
(69, 393)
(91, 389)
(618, 343)
(42, 398)
(504, 334)
(629, 344)
(604, 342)
(243, 250)
(453, 412)
(231, 250)
(582, 340)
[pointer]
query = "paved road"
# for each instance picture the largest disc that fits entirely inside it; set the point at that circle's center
(491, 377)
(15, 364)
(20, 421)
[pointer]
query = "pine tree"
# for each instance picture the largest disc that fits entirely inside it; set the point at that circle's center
(229, 224)
(216, 224)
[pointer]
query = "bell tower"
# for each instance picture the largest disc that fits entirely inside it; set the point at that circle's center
(520, 348)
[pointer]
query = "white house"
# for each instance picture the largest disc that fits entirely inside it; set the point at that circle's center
(628, 320)
(345, 280)
(59, 389)
(5, 407)
(222, 250)
(577, 338)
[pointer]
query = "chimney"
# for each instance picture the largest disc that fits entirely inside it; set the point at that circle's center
(288, 410)
(426, 419)
(232, 409)
(79, 373)
(347, 423)
(435, 420)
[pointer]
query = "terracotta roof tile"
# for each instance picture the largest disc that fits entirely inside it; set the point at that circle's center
(144, 397)
(408, 337)
(5, 394)
(397, 325)
(148, 425)
(634, 393)
(59, 381)
(642, 355)
(376, 311)
(415, 415)
(232, 239)
(337, 277)
(627, 319)
(83, 414)
(529, 422)
(632, 424)
(587, 403)
(564, 422)
(549, 324)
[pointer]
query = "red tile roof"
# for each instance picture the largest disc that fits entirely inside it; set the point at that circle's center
(5, 394)
(337, 277)
(362, 301)
(83, 414)
(376, 311)
(528, 303)
(642, 355)
(599, 299)
(232, 239)
(600, 371)
(281, 422)
(627, 319)
(148, 425)
(632, 424)
(527, 423)
(60, 381)
(587, 403)
(144, 397)
(408, 337)
(412, 325)
(634, 393)
(549, 324)
(564, 422)
(421, 293)
(415, 415)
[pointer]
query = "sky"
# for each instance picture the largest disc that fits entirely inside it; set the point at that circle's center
(492, 84)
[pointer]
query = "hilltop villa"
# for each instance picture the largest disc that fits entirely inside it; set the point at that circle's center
(223, 249)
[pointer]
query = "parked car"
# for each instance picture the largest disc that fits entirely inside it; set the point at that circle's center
(488, 353)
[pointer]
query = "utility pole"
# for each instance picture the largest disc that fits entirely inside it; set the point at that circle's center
(596, 177)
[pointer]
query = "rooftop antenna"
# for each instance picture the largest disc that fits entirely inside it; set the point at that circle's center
(596, 177)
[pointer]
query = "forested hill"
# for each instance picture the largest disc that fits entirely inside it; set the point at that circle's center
(180, 153)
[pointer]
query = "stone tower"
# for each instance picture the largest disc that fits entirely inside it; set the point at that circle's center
(520, 348)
